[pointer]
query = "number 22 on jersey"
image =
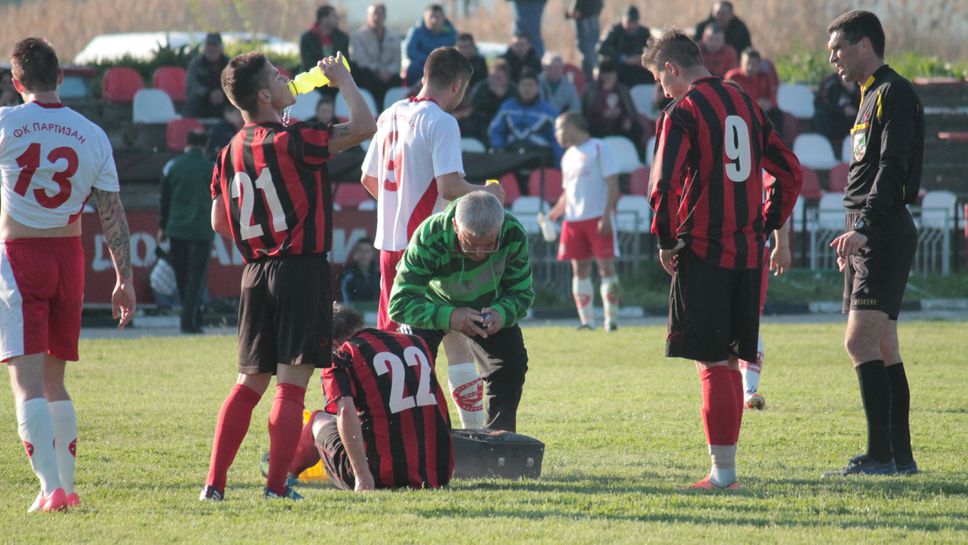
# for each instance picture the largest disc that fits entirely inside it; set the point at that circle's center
(388, 362)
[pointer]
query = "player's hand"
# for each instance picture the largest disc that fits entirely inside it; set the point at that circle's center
(848, 243)
(780, 260)
(364, 483)
(496, 190)
(491, 320)
(333, 68)
(161, 236)
(668, 258)
(468, 322)
(123, 302)
(841, 263)
(605, 226)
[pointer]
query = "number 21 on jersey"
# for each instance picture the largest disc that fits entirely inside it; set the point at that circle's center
(388, 362)
(737, 146)
(242, 185)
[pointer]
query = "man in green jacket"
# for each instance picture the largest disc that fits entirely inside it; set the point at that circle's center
(186, 204)
(468, 269)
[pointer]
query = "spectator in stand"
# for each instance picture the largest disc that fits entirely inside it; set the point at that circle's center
(521, 55)
(468, 48)
(325, 112)
(375, 51)
(324, 39)
(225, 129)
(186, 221)
(836, 105)
(718, 56)
(8, 94)
(737, 35)
(486, 99)
(757, 77)
(203, 85)
(608, 107)
(525, 122)
(527, 22)
(585, 14)
(360, 280)
(623, 44)
(555, 87)
(429, 33)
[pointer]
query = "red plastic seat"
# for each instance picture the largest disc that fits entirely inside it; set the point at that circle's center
(811, 185)
(576, 76)
(176, 134)
(838, 177)
(639, 182)
(350, 195)
(170, 79)
(511, 190)
(120, 83)
(552, 184)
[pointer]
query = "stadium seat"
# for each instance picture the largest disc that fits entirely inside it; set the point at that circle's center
(152, 106)
(367, 205)
(814, 151)
(511, 190)
(791, 128)
(120, 83)
(811, 185)
(800, 224)
(830, 215)
(343, 109)
(650, 151)
(552, 184)
(642, 99)
(176, 134)
(350, 194)
(938, 210)
(73, 87)
(394, 94)
(633, 214)
(526, 209)
(837, 179)
(472, 145)
(625, 154)
(796, 98)
(639, 181)
(576, 76)
(305, 106)
(847, 150)
(170, 79)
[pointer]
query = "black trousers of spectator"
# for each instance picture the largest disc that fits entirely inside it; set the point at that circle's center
(190, 259)
(370, 80)
(503, 361)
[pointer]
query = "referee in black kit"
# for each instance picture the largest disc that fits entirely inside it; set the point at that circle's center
(877, 251)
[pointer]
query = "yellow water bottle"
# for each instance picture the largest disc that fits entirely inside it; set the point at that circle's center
(492, 181)
(307, 81)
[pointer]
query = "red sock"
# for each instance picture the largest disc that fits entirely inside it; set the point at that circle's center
(740, 395)
(306, 452)
(719, 409)
(233, 423)
(285, 425)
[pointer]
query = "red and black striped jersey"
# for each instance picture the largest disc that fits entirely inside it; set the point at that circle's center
(403, 411)
(275, 186)
(707, 184)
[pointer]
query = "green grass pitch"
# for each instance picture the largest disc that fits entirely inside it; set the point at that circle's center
(622, 433)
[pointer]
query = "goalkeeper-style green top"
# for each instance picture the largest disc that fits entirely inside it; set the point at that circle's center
(434, 277)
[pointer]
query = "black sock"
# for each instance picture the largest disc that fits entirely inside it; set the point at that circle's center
(900, 410)
(875, 391)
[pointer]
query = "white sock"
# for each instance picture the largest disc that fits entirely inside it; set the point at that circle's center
(751, 370)
(467, 390)
(584, 294)
(609, 292)
(64, 419)
(723, 472)
(37, 433)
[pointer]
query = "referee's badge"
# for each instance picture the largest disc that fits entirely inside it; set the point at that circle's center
(859, 145)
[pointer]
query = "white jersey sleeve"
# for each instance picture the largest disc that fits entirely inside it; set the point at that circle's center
(445, 146)
(607, 162)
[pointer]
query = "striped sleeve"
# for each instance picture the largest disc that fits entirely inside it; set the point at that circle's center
(672, 148)
(517, 292)
(420, 263)
(309, 142)
(782, 191)
(337, 379)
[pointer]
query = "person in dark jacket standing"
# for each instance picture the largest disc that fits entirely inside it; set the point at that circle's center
(587, 28)
(324, 39)
(203, 87)
(624, 44)
(186, 221)
(737, 34)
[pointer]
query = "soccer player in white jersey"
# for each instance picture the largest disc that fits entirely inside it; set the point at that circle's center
(589, 177)
(413, 168)
(52, 160)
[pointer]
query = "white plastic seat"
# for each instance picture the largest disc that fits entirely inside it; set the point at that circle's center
(814, 151)
(152, 106)
(847, 150)
(305, 106)
(642, 99)
(526, 209)
(633, 214)
(624, 152)
(650, 151)
(830, 214)
(342, 109)
(937, 210)
(394, 94)
(472, 144)
(796, 99)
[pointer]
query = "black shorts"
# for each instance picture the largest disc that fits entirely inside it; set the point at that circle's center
(285, 313)
(713, 312)
(876, 276)
(335, 460)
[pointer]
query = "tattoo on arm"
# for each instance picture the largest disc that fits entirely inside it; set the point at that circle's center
(115, 227)
(342, 129)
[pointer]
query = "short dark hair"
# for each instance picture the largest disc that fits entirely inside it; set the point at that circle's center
(243, 78)
(857, 24)
(34, 63)
(751, 53)
(465, 36)
(324, 11)
(501, 65)
(527, 73)
(673, 45)
(346, 322)
(575, 119)
(434, 7)
(445, 65)
(197, 138)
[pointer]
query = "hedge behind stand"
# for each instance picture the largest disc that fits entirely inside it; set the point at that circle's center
(495, 453)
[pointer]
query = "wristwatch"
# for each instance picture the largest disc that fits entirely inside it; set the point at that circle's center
(863, 226)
